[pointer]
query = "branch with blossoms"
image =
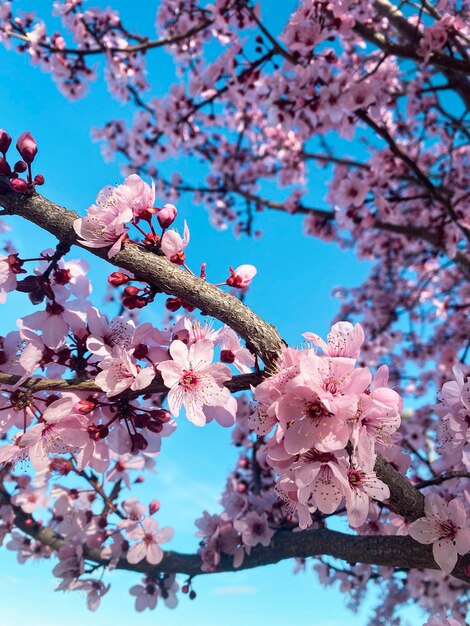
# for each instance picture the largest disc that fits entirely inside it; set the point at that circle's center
(398, 498)
(327, 439)
(60, 222)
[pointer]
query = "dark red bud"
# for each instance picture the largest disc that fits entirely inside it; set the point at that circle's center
(131, 291)
(192, 594)
(4, 168)
(5, 141)
(185, 589)
(173, 304)
(138, 442)
(39, 179)
(20, 167)
(227, 356)
(116, 279)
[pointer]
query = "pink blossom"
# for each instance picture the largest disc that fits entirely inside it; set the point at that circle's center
(104, 226)
(344, 339)
(58, 432)
(149, 540)
(232, 352)
(135, 194)
(10, 267)
(173, 245)
(193, 380)
(54, 323)
(94, 589)
(254, 530)
(120, 373)
(446, 527)
(241, 277)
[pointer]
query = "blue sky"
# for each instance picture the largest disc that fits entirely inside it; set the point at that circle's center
(292, 290)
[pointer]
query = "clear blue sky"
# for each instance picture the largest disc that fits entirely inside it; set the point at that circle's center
(292, 290)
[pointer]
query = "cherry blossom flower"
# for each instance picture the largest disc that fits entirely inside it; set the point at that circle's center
(254, 530)
(59, 431)
(446, 527)
(241, 277)
(104, 226)
(344, 339)
(173, 245)
(10, 267)
(232, 352)
(135, 194)
(167, 215)
(54, 322)
(149, 540)
(120, 373)
(193, 380)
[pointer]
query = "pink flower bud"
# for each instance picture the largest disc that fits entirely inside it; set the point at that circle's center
(5, 141)
(39, 179)
(166, 216)
(27, 147)
(241, 277)
(19, 185)
(154, 506)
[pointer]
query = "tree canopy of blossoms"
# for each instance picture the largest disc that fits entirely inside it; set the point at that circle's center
(367, 429)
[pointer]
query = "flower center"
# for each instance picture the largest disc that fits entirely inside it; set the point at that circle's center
(448, 530)
(356, 478)
(189, 380)
(315, 410)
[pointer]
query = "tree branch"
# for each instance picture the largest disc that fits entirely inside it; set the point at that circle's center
(36, 384)
(157, 271)
(390, 551)
(261, 338)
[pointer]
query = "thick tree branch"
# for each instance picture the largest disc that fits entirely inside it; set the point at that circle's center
(262, 338)
(156, 270)
(391, 551)
(36, 384)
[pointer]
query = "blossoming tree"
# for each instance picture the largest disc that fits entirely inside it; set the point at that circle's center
(322, 429)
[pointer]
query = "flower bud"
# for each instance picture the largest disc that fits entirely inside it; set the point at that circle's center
(154, 506)
(27, 147)
(4, 168)
(5, 141)
(131, 291)
(227, 356)
(20, 167)
(166, 216)
(138, 442)
(19, 185)
(39, 179)
(116, 279)
(173, 304)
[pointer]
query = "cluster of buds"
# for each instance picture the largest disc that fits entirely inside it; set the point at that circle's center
(27, 147)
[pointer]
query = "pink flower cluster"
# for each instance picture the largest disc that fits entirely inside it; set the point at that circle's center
(454, 427)
(330, 419)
